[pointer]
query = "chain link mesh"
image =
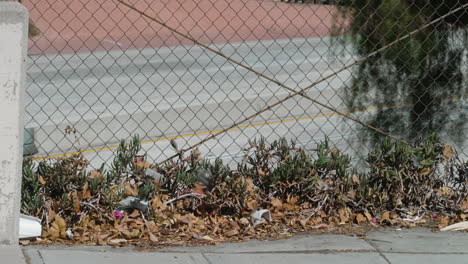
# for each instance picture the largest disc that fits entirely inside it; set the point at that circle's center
(99, 72)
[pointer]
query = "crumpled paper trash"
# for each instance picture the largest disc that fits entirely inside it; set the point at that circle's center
(260, 216)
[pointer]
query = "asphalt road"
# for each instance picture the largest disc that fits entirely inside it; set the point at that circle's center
(185, 93)
(167, 92)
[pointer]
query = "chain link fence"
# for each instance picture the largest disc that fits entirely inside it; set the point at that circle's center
(103, 71)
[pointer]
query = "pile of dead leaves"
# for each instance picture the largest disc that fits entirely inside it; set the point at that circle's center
(276, 191)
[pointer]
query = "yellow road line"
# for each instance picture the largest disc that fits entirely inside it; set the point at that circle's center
(235, 128)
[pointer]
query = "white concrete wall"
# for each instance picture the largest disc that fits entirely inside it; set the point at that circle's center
(13, 46)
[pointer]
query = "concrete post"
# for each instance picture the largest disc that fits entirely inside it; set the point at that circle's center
(13, 47)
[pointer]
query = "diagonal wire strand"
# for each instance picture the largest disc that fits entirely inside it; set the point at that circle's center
(294, 92)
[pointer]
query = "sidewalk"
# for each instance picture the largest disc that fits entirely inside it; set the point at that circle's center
(406, 246)
(91, 25)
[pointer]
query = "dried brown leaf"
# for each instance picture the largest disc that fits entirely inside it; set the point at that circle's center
(24, 242)
(151, 225)
(231, 233)
(356, 179)
(196, 154)
(85, 187)
(129, 234)
(444, 191)
(386, 217)
(76, 206)
(121, 228)
(448, 152)
(443, 221)
(464, 206)
(368, 216)
(235, 225)
(344, 214)
(142, 164)
(134, 214)
(244, 221)
(250, 186)
(206, 237)
(251, 204)
(321, 226)
(335, 150)
(104, 236)
(153, 237)
(425, 171)
(275, 202)
(131, 189)
(61, 223)
(292, 200)
(85, 221)
(101, 242)
(157, 204)
(58, 228)
(303, 223)
(41, 180)
(169, 222)
(261, 172)
(117, 242)
(95, 174)
(463, 216)
(199, 188)
(360, 218)
(85, 193)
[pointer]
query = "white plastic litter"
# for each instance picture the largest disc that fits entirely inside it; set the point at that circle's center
(29, 227)
(259, 216)
(70, 233)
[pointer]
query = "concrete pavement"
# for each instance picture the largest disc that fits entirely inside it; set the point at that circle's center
(390, 246)
(11, 254)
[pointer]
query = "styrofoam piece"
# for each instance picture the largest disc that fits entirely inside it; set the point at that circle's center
(29, 227)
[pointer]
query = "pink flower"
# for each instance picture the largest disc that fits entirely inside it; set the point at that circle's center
(118, 215)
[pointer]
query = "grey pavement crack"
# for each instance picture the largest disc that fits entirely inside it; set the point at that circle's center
(206, 258)
(28, 258)
(378, 250)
